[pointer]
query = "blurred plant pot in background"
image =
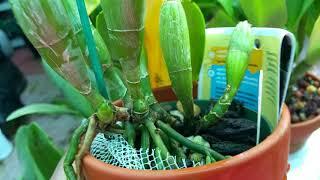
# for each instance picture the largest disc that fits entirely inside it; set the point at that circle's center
(266, 161)
(302, 129)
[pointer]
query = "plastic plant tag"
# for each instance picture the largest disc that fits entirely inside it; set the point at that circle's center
(272, 57)
(259, 108)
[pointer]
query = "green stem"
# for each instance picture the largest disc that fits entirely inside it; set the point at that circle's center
(95, 99)
(131, 72)
(158, 159)
(165, 139)
(73, 149)
(145, 80)
(145, 144)
(188, 143)
(178, 151)
(116, 130)
(209, 159)
(107, 113)
(160, 113)
(219, 109)
(145, 138)
(126, 36)
(85, 146)
(156, 137)
(130, 133)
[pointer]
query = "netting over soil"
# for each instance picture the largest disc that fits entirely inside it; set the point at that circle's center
(114, 149)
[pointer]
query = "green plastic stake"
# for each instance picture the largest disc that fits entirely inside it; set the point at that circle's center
(93, 54)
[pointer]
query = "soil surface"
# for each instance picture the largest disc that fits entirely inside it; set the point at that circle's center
(232, 134)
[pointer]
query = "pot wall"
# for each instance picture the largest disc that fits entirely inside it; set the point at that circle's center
(301, 131)
(267, 161)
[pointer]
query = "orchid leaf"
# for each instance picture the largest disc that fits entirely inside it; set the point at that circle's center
(91, 5)
(313, 52)
(272, 13)
(36, 152)
(222, 19)
(40, 109)
(77, 101)
(296, 9)
(227, 6)
(196, 26)
(311, 16)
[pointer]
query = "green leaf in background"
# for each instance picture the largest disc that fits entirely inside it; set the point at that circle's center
(208, 7)
(227, 6)
(197, 35)
(94, 14)
(238, 11)
(313, 52)
(221, 19)
(271, 13)
(91, 5)
(306, 24)
(40, 109)
(37, 154)
(77, 101)
(296, 9)
(311, 16)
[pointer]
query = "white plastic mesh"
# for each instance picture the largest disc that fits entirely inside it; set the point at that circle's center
(114, 149)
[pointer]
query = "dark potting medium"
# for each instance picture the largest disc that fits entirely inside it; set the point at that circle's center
(234, 133)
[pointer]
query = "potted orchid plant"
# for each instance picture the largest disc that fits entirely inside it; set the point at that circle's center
(124, 125)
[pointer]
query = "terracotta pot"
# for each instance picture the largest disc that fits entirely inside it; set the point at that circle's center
(266, 161)
(164, 94)
(301, 131)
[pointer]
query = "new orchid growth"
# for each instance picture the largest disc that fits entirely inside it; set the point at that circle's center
(240, 46)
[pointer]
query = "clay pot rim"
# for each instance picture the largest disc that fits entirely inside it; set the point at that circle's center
(313, 76)
(269, 142)
(308, 122)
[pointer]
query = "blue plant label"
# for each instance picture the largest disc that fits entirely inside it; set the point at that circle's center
(248, 92)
